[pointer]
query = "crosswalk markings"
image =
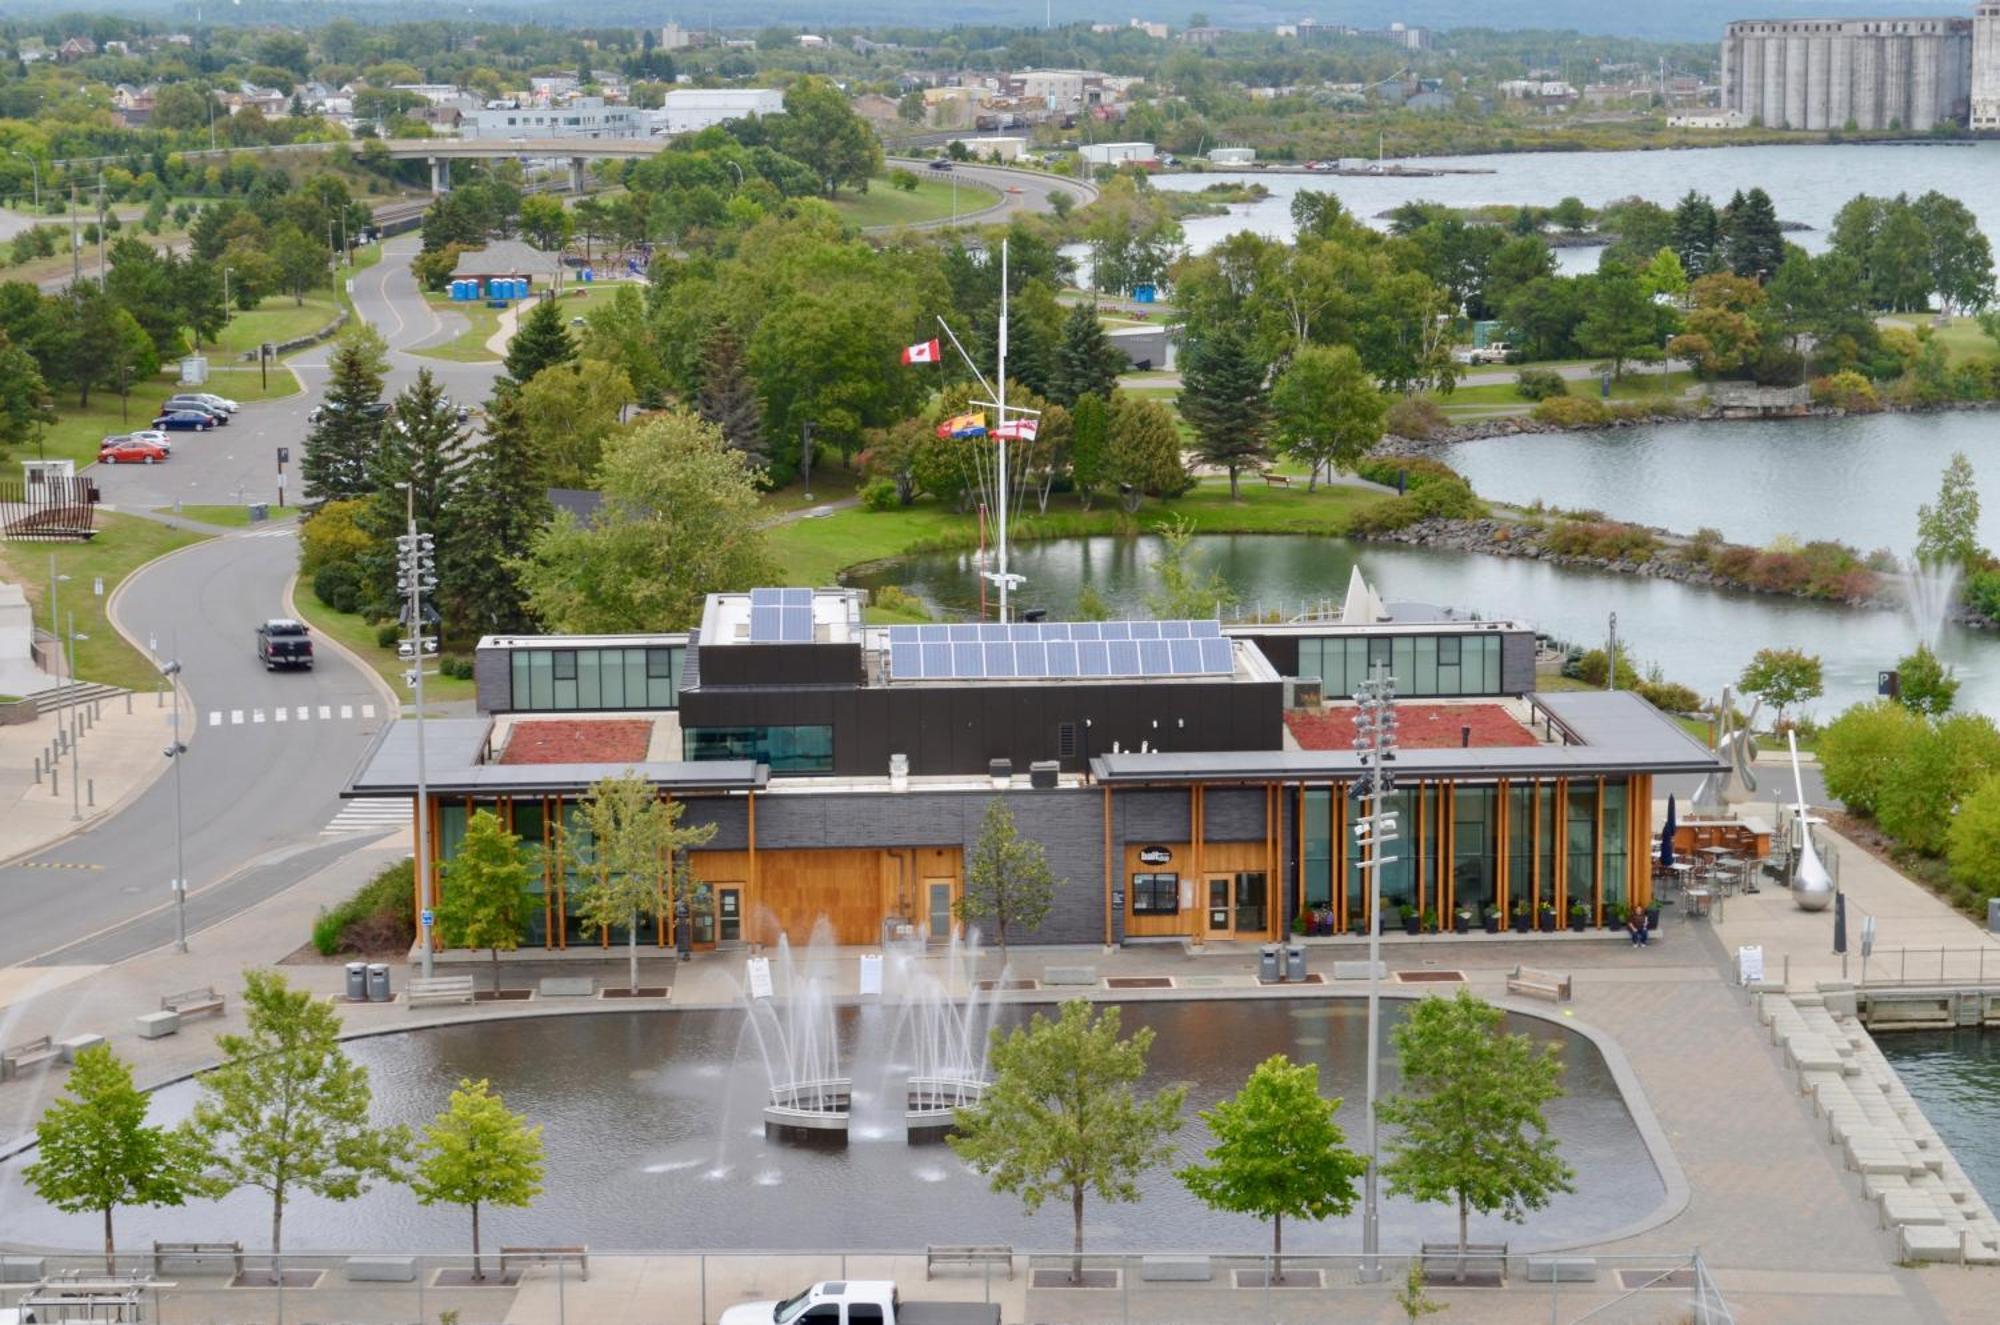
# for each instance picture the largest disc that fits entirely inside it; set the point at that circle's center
(367, 710)
(236, 717)
(55, 865)
(256, 715)
(369, 814)
(346, 712)
(280, 713)
(215, 717)
(285, 532)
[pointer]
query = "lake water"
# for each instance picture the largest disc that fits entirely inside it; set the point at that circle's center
(1955, 1076)
(651, 1122)
(1699, 637)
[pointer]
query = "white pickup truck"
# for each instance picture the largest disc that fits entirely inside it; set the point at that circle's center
(1491, 352)
(858, 1302)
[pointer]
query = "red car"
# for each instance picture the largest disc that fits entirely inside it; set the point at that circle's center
(131, 451)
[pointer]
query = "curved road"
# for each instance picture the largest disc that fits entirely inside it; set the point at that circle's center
(1031, 190)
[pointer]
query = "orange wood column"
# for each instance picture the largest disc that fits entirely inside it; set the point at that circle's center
(1597, 901)
(1109, 874)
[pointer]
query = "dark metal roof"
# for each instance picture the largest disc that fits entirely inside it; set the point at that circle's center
(454, 749)
(1609, 732)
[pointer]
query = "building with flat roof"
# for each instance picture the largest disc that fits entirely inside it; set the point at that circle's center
(1869, 74)
(1188, 781)
(692, 109)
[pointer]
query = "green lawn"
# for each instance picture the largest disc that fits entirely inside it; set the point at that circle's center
(76, 432)
(1963, 337)
(227, 516)
(884, 204)
(814, 552)
(1638, 386)
(276, 320)
(123, 544)
(832, 481)
(469, 346)
(358, 634)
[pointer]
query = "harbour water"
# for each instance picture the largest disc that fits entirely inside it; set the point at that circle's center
(1955, 1077)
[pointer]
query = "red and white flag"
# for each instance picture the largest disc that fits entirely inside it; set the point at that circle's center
(1017, 430)
(923, 352)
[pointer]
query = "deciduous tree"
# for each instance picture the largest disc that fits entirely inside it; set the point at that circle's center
(621, 852)
(1781, 678)
(488, 892)
(1007, 878)
(567, 410)
(1143, 457)
(1327, 409)
(1184, 593)
(478, 1153)
(1948, 529)
(1925, 685)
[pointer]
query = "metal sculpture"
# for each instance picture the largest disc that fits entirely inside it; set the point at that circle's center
(1736, 746)
(1812, 886)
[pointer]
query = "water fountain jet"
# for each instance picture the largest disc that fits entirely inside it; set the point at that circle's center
(793, 1023)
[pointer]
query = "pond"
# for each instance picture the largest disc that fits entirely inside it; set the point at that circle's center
(1955, 1077)
(651, 1123)
(1699, 637)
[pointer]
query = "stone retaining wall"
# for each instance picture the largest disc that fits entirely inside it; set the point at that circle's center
(327, 332)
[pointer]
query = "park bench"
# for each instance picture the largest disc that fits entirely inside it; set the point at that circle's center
(198, 1251)
(1069, 975)
(32, 1053)
(1551, 985)
(440, 989)
(1479, 1262)
(976, 1255)
(1277, 480)
(194, 1002)
(577, 1256)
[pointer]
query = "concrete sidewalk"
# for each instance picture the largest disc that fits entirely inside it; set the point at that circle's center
(122, 748)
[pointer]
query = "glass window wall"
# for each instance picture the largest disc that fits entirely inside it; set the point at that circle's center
(801, 749)
(1422, 665)
(1318, 861)
(563, 680)
(1616, 891)
(1474, 829)
(1583, 844)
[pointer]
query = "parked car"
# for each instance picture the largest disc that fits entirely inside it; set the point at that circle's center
(186, 420)
(150, 436)
(940, 164)
(221, 416)
(374, 409)
(283, 642)
(208, 398)
(127, 451)
(854, 1301)
(1495, 351)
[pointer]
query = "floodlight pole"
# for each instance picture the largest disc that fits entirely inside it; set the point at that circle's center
(1000, 400)
(1374, 745)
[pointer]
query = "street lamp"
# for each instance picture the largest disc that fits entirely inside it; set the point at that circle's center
(75, 731)
(172, 671)
(225, 294)
(1375, 748)
(55, 631)
(416, 556)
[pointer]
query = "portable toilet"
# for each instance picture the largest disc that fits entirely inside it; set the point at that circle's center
(589, 275)
(1144, 294)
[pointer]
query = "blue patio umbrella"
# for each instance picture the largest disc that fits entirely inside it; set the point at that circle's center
(1667, 837)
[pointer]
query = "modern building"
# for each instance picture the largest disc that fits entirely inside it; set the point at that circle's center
(506, 259)
(988, 146)
(1869, 74)
(1113, 154)
(692, 109)
(1232, 156)
(582, 117)
(1185, 780)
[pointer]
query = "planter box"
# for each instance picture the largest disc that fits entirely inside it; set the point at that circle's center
(18, 713)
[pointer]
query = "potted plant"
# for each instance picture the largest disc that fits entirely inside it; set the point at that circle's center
(1301, 926)
(1413, 920)
(1524, 919)
(1430, 921)
(1491, 915)
(1653, 915)
(1615, 915)
(1323, 922)
(1357, 923)
(1547, 915)
(1579, 915)
(1462, 920)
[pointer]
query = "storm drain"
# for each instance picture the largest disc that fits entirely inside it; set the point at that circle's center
(1430, 977)
(988, 986)
(1139, 982)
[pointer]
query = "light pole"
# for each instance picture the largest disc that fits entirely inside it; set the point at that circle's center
(36, 167)
(225, 294)
(418, 557)
(55, 632)
(75, 732)
(1375, 748)
(172, 671)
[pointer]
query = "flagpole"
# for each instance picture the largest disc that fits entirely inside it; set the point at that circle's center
(1000, 400)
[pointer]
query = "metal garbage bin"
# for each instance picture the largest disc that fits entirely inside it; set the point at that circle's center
(378, 983)
(1267, 964)
(1993, 915)
(259, 512)
(357, 982)
(1295, 961)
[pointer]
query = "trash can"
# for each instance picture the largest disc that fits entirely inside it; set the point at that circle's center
(378, 983)
(357, 982)
(1993, 915)
(1295, 961)
(259, 512)
(1267, 964)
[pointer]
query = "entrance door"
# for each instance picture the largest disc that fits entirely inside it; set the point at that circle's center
(729, 914)
(1220, 906)
(1252, 904)
(1238, 904)
(937, 909)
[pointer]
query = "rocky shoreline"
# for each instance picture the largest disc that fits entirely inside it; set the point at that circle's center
(1523, 425)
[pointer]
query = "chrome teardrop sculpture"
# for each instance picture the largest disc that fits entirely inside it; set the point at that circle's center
(1812, 886)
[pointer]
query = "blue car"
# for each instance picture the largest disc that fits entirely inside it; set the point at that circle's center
(185, 420)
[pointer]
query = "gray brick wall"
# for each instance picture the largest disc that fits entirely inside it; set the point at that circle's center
(1234, 815)
(1152, 816)
(493, 679)
(1517, 663)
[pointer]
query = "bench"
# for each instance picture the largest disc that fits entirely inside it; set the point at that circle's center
(198, 1251)
(439, 989)
(978, 1256)
(157, 1025)
(1069, 975)
(1483, 1262)
(1543, 984)
(32, 1053)
(1175, 1269)
(76, 1044)
(381, 1269)
(1277, 480)
(1562, 1270)
(577, 1256)
(194, 1002)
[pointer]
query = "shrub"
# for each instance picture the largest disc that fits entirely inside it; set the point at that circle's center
(1670, 696)
(1413, 471)
(1982, 593)
(333, 534)
(895, 598)
(1416, 417)
(1704, 545)
(1777, 366)
(1454, 501)
(456, 665)
(879, 494)
(379, 912)
(1943, 763)
(1858, 748)
(338, 585)
(388, 634)
(1539, 384)
(1592, 668)
(1973, 846)
(1883, 562)
(1572, 412)
(1384, 517)
(1609, 540)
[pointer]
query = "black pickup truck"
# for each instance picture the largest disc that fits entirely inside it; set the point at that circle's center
(283, 643)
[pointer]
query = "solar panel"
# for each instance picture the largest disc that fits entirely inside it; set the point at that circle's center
(797, 597)
(937, 660)
(1083, 630)
(1173, 629)
(1186, 654)
(965, 634)
(999, 659)
(1093, 659)
(1215, 656)
(1145, 630)
(1115, 629)
(966, 660)
(767, 597)
(1031, 658)
(1062, 657)
(764, 624)
(904, 635)
(906, 660)
(796, 625)
(1124, 657)
(1205, 629)
(1028, 650)
(1155, 658)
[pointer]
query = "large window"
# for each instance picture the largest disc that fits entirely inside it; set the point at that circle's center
(1521, 844)
(558, 680)
(1422, 664)
(1614, 843)
(1156, 894)
(1318, 861)
(804, 749)
(1583, 844)
(1473, 834)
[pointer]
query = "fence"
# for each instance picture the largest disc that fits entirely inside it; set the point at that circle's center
(47, 506)
(694, 1289)
(1889, 967)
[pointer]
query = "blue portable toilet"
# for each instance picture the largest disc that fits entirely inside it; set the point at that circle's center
(589, 275)
(517, 288)
(1144, 294)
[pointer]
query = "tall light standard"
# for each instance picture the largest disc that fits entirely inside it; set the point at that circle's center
(55, 632)
(175, 751)
(418, 557)
(75, 731)
(1375, 748)
(225, 294)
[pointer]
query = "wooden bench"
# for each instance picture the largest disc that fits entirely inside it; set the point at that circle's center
(194, 1002)
(1542, 984)
(32, 1053)
(979, 1256)
(440, 989)
(1479, 1262)
(197, 1251)
(577, 1256)
(1277, 480)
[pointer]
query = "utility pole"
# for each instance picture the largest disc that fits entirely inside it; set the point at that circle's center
(75, 240)
(101, 269)
(418, 555)
(1375, 747)
(1611, 669)
(175, 751)
(75, 733)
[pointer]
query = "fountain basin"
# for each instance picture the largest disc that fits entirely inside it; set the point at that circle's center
(932, 1103)
(813, 1111)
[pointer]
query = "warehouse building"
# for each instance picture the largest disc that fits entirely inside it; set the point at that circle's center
(1868, 74)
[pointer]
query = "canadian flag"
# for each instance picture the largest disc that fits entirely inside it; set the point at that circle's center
(923, 352)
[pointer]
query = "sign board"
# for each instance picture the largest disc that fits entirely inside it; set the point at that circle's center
(1749, 964)
(759, 970)
(1888, 684)
(430, 918)
(97, 586)
(871, 972)
(1117, 899)
(284, 455)
(1155, 856)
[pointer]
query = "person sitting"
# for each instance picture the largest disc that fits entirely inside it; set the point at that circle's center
(1635, 925)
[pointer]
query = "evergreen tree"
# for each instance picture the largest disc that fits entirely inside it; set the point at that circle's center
(1086, 363)
(340, 447)
(1754, 244)
(1225, 399)
(1142, 451)
(1089, 446)
(421, 444)
(491, 515)
(728, 396)
(542, 339)
(1697, 235)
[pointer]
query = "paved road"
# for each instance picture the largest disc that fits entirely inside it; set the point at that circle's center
(1021, 191)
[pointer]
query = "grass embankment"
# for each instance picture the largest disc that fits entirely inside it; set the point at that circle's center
(358, 634)
(77, 431)
(226, 516)
(1962, 337)
(469, 346)
(1504, 397)
(276, 320)
(885, 204)
(814, 552)
(123, 544)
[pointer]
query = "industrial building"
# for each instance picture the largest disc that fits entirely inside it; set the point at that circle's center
(1867, 74)
(692, 109)
(1187, 781)
(1986, 65)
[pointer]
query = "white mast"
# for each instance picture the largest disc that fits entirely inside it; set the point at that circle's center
(1000, 405)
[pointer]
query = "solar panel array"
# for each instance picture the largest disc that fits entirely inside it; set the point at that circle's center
(1040, 650)
(781, 616)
